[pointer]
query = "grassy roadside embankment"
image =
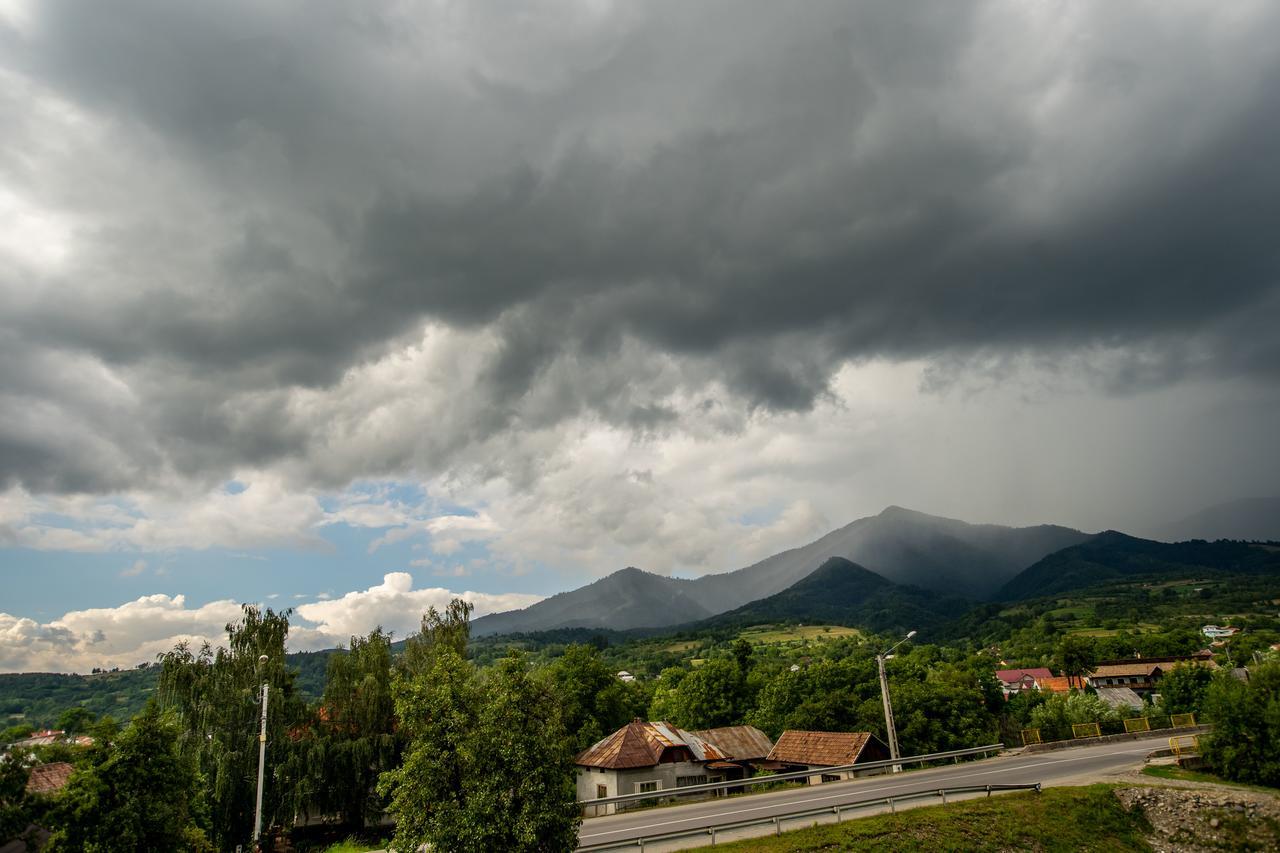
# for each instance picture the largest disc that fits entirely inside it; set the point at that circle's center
(1066, 819)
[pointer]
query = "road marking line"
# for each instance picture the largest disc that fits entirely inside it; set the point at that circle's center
(847, 792)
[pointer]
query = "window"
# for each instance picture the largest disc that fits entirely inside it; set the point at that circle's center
(830, 777)
(647, 787)
(602, 791)
(685, 781)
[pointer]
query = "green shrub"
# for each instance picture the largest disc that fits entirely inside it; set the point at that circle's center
(1245, 742)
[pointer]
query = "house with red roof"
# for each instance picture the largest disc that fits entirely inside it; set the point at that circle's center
(1014, 681)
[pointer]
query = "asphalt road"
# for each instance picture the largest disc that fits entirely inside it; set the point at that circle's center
(1076, 765)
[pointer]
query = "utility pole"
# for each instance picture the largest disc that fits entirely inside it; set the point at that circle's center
(262, 760)
(888, 705)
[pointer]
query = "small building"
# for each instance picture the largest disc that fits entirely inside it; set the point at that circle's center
(1218, 632)
(1141, 674)
(797, 750)
(1014, 681)
(642, 758)
(745, 748)
(1136, 675)
(1054, 684)
(1121, 698)
(625, 676)
(49, 778)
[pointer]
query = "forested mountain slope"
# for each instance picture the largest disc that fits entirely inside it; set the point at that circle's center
(841, 592)
(1113, 555)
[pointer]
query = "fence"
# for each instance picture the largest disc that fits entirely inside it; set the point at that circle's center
(1184, 745)
(776, 821)
(710, 787)
(1133, 725)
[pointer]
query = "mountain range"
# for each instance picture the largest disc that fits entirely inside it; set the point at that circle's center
(1248, 518)
(899, 545)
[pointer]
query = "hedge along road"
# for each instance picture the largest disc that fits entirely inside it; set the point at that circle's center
(1076, 765)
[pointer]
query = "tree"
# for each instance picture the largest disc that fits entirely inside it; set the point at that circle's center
(1245, 742)
(830, 695)
(1055, 716)
(76, 720)
(215, 696)
(139, 792)
(1077, 658)
(439, 631)
(593, 701)
(487, 765)
(711, 695)
(944, 710)
(1183, 688)
(16, 808)
(352, 740)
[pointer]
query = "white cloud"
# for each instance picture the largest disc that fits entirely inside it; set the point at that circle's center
(397, 606)
(111, 636)
(139, 630)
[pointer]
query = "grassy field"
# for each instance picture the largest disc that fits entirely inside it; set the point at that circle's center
(771, 634)
(1172, 771)
(1059, 819)
(1140, 628)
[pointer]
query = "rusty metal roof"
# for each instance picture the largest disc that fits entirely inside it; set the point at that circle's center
(641, 744)
(739, 743)
(826, 749)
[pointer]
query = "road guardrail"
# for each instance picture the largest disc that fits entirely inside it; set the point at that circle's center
(778, 820)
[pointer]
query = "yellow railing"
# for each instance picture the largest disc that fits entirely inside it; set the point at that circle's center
(1080, 730)
(1182, 721)
(1030, 736)
(1137, 724)
(1184, 744)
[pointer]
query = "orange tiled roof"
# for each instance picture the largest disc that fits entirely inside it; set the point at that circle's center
(49, 778)
(827, 749)
(1055, 684)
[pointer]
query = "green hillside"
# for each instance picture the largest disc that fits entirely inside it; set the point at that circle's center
(840, 592)
(38, 698)
(1111, 556)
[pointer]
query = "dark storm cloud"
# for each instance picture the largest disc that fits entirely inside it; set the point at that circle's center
(760, 195)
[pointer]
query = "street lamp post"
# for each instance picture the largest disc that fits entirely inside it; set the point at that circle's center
(262, 759)
(888, 706)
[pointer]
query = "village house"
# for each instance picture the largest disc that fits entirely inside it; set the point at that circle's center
(49, 778)
(744, 746)
(1141, 674)
(1014, 681)
(817, 751)
(1054, 684)
(1218, 632)
(642, 758)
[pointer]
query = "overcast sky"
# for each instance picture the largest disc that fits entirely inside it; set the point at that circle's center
(351, 306)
